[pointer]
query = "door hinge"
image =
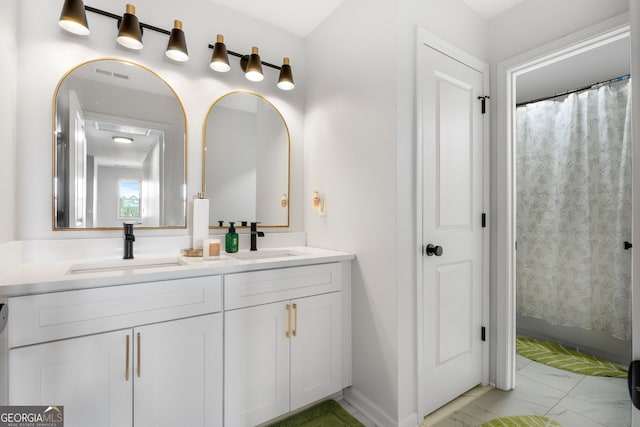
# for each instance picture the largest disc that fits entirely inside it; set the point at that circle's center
(484, 103)
(484, 220)
(483, 333)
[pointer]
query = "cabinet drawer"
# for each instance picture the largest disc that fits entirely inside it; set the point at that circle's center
(262, 287)
(47, 317)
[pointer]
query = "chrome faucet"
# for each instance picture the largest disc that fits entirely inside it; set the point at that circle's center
(254, 236)
(129, 238)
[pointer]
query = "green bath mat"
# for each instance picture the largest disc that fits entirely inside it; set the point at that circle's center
(522, 421)
(325, 414)
(557, 356)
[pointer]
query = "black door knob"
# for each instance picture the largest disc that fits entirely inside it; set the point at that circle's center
(627, 245)
(434, 250)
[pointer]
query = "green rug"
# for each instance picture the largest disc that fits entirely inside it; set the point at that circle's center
(522, 421)
(557, 356)
(325, 414)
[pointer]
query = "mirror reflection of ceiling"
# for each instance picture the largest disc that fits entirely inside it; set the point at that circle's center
(596, 65)
(120, 74)
(100, 133)
(101, 126)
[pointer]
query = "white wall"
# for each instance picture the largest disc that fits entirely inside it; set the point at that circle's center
(47, 52)
(533, 23)
(8, 80)
(350, 156)
(359, 151)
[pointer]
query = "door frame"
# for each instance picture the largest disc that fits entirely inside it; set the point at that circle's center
(507, 71)
(424, 38)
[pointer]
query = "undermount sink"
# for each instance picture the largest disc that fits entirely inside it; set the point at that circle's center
(124, 265)
(263, 254)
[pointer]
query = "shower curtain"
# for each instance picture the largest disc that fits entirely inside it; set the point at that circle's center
(573, 163)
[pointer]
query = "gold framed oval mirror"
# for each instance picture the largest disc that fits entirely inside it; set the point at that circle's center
(119, 149)
(245, 153)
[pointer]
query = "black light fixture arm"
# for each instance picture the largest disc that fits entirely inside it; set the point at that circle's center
(118, 17)
(240, 55)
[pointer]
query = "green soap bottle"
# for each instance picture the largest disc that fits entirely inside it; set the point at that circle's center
(231, 239)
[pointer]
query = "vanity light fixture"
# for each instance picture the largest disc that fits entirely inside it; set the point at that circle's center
(219, 57)
(285, 81)
(129, 29)
(122, 139)
(177, 47)
(73, 17)
(250, 64)
(253, 69)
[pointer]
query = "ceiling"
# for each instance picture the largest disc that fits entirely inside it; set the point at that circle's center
(491, 8)
(296, 16)
(302, 17)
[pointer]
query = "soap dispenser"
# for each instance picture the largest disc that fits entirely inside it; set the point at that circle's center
(231, 239)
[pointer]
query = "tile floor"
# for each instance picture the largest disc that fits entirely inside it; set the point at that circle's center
(571, 399)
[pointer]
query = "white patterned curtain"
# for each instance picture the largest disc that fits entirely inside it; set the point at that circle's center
(573, 162)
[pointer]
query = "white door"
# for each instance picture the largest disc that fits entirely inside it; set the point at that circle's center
(452, 264)
(85, 375)
(256, 369)
(178, 373)
(316, 348)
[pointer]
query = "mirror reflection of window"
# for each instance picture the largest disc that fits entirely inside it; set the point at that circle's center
(129, 199)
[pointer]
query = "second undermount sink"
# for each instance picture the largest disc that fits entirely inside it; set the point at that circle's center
(263, 254)
(124, 265)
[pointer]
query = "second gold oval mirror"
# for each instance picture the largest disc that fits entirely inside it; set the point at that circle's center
(245, 171)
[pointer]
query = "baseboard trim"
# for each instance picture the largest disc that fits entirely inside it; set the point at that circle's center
(410, 421)
(369, 409)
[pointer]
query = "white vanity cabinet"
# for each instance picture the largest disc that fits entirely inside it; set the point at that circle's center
(85, 375)
(283, 340)
(147, 354)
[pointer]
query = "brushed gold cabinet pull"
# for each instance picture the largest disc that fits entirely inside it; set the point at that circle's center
(288, 333)
(295, 320)
(126, 363)
(138, 369)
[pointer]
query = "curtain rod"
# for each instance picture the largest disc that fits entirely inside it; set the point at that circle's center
(569, 92)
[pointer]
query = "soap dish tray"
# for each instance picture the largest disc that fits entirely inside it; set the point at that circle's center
(190, 252)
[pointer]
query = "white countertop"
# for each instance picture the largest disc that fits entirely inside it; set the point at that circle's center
(42, 277)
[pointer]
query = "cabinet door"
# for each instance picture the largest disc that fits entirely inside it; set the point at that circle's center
(256, 364)
(178, 373)
(316, 348)
(86, 375)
